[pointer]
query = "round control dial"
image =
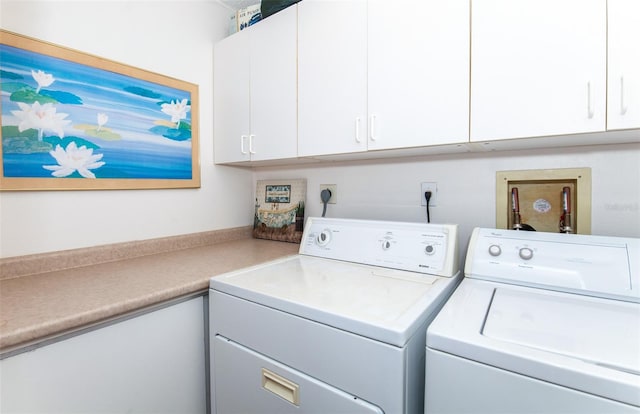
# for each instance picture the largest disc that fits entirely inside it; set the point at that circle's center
(323, 238)
(386, 245)
(525, 253)
(430, 249)
(495, 250)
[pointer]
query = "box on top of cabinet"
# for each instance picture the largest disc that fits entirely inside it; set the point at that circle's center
(244, 18)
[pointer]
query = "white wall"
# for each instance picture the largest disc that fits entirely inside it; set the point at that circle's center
(173, 38)
(390, 190)
(176, 38)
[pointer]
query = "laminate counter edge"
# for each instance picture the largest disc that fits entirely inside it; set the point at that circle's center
(17, 266)
(40, 305)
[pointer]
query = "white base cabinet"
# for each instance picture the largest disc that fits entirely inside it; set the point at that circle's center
(153, 363)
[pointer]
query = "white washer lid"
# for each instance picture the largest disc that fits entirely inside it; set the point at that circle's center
(602, 333)
(515, 340)
(383, 304)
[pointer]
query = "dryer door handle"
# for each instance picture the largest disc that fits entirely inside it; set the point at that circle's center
(281, 386)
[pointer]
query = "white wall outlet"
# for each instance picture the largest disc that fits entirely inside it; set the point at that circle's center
(433, 187)
(334, 192)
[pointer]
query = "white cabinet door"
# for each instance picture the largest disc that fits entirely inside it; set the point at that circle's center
(273, 87)
(418, 73)
(255, 93)
(332, 77)
(231, 97)
(623, 102)
(153, 363)
(538, 67)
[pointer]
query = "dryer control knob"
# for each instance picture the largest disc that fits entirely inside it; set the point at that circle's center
(495, 250)
(525, 253)
(323, 238)
(430, 249)
(386, 245)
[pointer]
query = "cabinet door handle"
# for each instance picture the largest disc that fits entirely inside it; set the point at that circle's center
(242, 138)
(589, 101)
(251, 137)
(358, 130)
(372, 128)
(623, 107)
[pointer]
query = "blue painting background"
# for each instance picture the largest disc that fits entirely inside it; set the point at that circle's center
(138, 141)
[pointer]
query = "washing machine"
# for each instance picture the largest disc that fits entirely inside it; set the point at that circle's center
(339, 327)
(541, 323)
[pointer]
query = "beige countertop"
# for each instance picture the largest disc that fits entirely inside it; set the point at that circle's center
(42, 305)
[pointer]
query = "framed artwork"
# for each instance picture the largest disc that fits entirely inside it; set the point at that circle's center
(279, 210)
(74, 121)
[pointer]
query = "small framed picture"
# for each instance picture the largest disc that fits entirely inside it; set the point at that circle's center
(279, 210)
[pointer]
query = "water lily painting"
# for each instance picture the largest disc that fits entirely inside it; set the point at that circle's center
(76, 121)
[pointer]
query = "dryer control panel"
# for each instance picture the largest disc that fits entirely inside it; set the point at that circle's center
(594, 265)
(417, 247)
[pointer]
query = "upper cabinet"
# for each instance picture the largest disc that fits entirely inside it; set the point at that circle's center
(231, 98)
(538, 67)
(623, 102)
(254, 79)
(412, 76)
(372, 78)
(332, 77)
(418, 68)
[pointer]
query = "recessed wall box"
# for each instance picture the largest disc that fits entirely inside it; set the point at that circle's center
(543, 199)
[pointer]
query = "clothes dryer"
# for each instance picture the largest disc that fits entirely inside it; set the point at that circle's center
(339, 327)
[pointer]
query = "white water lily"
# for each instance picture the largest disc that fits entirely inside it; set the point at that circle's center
(74, 159)
(40, 117)
(102, 119)
(43, 79)
(177, 110)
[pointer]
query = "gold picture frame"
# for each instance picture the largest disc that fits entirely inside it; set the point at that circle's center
(75, 121)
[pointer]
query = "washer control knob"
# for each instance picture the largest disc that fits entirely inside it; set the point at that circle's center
(430, 249)
(386, 245)
(495, 250)
(525, 253)
(323, 238)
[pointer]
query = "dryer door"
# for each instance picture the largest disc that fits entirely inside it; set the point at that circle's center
(248, 382)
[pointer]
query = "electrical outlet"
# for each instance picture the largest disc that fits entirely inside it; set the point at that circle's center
(433, 187)
(334, 192)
